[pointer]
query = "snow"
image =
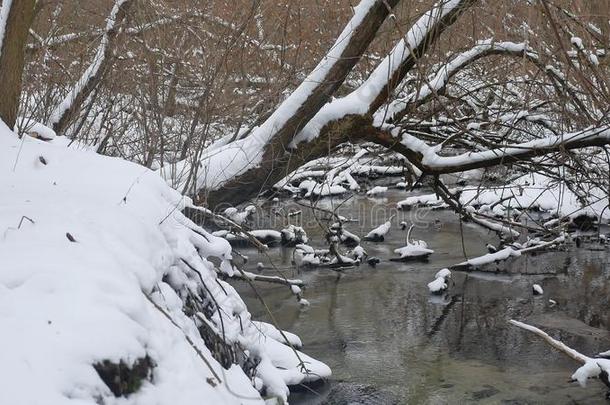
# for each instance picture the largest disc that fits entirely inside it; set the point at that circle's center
(266, 234)
(591, 369)
(239, 217)
(293, 235)
(528, 192)
(577, 42)
(377, 190)
(379, 232)
(491, 257)
(35, 129)
(358, 253)
(315, 189)
(414, 249)
(437, 285)
(74, 303)
(443, 273)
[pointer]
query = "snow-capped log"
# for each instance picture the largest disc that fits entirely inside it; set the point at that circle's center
(64, 112)
(34, 129)
(143, 283)
(378, 234)
(348, 238)
(16, 16)
(262, 155)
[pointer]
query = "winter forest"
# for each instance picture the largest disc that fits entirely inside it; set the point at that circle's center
(304, 202)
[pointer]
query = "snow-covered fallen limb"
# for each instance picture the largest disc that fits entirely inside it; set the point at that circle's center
(377, 190)
(427, 200)
(263, 237)
(591, 367)
(495, 226)
(249, 276)
(195, 212)
(506, 253)
(489, 258)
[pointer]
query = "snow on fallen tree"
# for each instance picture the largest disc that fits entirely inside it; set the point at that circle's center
(105, 280)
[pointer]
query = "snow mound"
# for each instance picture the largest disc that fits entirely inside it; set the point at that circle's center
(98, 265)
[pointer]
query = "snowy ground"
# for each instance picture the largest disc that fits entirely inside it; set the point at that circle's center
(97, 262)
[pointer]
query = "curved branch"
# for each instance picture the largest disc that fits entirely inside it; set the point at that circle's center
(427, 159)
(435, 84)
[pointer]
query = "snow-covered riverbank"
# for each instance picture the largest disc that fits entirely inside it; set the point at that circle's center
(98, 266)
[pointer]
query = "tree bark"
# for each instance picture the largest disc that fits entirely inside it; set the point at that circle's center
(12, 56)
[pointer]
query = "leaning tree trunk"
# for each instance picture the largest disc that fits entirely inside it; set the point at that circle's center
(278, 159)
(15, 19)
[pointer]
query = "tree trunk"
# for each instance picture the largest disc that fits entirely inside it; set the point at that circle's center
(278, 161)
(15, 26)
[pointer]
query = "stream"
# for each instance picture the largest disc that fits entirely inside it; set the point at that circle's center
(388, 340)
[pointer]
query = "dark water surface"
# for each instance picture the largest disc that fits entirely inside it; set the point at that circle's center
(388, 340)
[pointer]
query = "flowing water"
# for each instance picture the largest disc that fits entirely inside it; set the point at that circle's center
(388, 340)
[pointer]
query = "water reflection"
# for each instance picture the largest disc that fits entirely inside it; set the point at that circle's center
(388, 341)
